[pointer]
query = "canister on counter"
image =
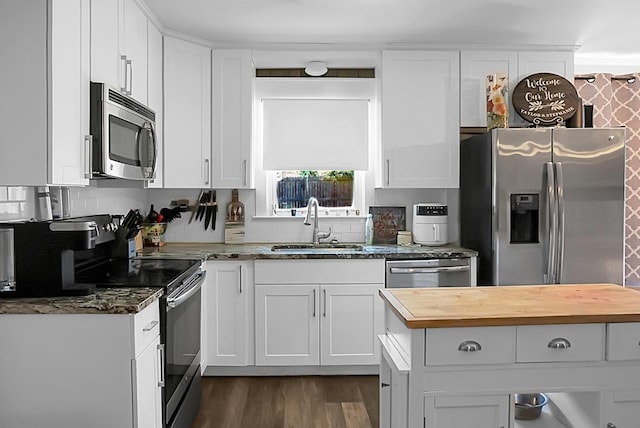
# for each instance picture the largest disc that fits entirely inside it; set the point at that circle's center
(404, 237)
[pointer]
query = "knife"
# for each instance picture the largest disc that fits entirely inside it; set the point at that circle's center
(201, 206)
(214, 208)
(195, 208)
(209, 209)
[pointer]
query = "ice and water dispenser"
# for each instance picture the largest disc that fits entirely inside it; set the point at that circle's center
(525, 209)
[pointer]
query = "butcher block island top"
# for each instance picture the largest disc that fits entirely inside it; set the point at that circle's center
(513, 305)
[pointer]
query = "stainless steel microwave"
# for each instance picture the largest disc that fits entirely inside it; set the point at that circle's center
(124, 138)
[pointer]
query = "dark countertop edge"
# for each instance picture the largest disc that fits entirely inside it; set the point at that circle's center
(99, 303)
(263, 252)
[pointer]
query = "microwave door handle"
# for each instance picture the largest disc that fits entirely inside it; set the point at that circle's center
(153, 144)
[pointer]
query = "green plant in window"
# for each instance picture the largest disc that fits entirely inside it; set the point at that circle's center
(309, 173)
(338, 175)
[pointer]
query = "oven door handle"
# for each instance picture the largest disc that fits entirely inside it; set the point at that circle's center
(184, 294)
(448, 269)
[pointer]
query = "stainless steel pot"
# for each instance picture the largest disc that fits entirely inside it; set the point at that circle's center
(529, 406)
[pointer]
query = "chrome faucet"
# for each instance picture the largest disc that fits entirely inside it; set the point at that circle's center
(317, 236)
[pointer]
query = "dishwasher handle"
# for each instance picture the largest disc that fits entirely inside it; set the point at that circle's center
(446, 269)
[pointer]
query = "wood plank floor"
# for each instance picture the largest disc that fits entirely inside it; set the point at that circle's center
(289, 402)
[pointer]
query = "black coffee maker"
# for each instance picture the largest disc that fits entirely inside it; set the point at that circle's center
(46, 254)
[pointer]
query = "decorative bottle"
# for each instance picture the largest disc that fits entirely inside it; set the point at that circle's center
(368, 230)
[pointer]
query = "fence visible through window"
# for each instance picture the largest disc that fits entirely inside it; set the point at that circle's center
(332, 189)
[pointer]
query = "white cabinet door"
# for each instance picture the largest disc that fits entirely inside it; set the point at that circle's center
(134, 47)
(287, 325)
(487, 411)
(474, 68)
(187, 114)
(106, 63)
(229, 314)
(69, 86)
(621, 409)
(146, 372)
(352, 318)
(154, 85)
(420, 119)
(532, 62)
(232, 118)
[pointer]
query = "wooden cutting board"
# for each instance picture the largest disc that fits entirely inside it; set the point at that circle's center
(513, 305)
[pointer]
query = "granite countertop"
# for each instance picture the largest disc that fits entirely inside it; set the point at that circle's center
(207, 251)
(130, 300)
(133, 300)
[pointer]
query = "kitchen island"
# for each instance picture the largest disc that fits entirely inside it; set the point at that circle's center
(454, 357)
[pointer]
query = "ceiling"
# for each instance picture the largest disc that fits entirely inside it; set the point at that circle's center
(595, 27)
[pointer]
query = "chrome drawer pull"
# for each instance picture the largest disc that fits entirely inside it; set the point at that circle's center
(150, 326)
(469, 346)
(559, 343)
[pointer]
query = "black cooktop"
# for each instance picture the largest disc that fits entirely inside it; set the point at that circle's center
(142, 272)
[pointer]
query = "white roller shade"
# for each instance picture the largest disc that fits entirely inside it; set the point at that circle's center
(315, 134)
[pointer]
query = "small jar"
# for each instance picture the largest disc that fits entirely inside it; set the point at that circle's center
(404, 237)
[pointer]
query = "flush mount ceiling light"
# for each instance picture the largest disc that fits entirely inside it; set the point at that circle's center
(316, 68)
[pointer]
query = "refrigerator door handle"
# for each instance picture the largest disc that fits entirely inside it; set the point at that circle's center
(560, 221)
(552, 222)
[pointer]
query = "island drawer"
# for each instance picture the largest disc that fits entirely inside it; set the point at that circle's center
(560, 342)
(470, 345)
(623, 341)
(146, 326)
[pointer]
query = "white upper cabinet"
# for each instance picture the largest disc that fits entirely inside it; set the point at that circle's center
(119, 46)
(187, 114)
(474, 68)
(154, 88)
(232, 118)
(476, 65)
(44, 113)
(420, 119)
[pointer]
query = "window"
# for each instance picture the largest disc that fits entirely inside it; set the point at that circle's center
(332, 189)
(315, 138)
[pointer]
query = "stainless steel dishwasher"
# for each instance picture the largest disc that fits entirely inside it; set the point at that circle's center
(428, 273)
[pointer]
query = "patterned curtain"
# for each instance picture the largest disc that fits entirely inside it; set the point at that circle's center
(616, 102)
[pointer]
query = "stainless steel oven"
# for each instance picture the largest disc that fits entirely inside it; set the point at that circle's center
(180, 334)
(428, 273)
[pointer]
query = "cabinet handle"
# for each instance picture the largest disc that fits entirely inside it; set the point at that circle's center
(244, 172)
(384, 385)
(324, 297)
(207, 172)
(150, 326)
(240, 279)
(469, 346)
(88, 156)
(123, 60)
(559, 343)
(161, 358)
(314, 302)
(388, 171)
(130, 64)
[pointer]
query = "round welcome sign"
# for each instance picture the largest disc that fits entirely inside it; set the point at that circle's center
(545, 99)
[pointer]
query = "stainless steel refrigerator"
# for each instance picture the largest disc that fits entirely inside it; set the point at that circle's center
(544, 205)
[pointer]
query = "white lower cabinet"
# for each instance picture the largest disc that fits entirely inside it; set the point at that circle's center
(621, 409)
(228, 314)
(90, 370)
(287, 325)
(485, 411)
(318, 312)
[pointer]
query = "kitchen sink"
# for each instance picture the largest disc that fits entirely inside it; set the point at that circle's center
(316, 247)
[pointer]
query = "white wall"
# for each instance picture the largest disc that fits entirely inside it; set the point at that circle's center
(117, 197)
